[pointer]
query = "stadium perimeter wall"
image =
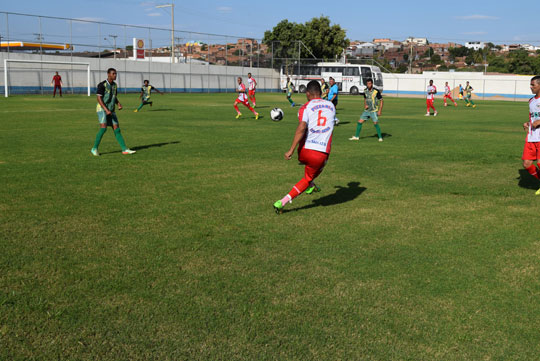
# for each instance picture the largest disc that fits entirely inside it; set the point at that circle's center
(488, 87)
(28, 78)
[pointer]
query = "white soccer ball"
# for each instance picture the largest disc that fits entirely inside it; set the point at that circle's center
(336, 121)
(276, 114)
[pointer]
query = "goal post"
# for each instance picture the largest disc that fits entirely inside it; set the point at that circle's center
(6, 70)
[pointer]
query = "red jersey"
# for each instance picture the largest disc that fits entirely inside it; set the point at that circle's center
(57, 79)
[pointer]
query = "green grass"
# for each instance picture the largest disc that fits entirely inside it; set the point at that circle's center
(423, 247)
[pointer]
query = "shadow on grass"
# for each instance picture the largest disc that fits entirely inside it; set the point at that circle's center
(141, 147)
(527, 181)
(341, 195)
(342, 123)
(161, 110)
(384, 135)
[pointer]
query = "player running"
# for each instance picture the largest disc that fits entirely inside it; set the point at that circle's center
(313, 137)
(242, 98)
(531, 151)
(57, 82)
(468, 95)
(290, 90)
(252, 86)
(448, 94)
(373, 104)
(107, 100)
(431, 91)
(460, 92)
(145, 95)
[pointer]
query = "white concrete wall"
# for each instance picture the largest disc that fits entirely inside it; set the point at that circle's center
(489, 87)
(33, 78)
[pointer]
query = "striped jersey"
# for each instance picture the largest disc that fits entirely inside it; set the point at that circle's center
(534, 115)
(431, 90)
(242, 92)
(251, 83)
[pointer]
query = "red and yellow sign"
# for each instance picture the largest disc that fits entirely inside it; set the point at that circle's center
(138, 48)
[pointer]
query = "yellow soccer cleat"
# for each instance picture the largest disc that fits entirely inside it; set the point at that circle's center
(474, 106)
(135, 111)
(256, 116)
(238, 115)
(537, 192)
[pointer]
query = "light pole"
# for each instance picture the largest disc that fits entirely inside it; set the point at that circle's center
(114, 37)
(171, 5)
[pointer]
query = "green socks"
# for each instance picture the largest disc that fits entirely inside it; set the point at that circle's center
(378, 130)
(99, 136)
(119, 138)
(358, 129)
(290, 100)
(140, 106)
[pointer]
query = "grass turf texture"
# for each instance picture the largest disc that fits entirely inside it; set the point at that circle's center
(422, 247)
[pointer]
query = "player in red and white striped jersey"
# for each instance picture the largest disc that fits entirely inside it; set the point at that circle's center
(448, 94)
(531, 151)
(242, 98)
(252, 86)
(431, 91)
(313, 137)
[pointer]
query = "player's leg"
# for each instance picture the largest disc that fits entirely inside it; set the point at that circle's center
(359, 125)
(472, 103)
(238, 114)
(375, 119)
(289, 98)
(246, 103)
(102, 118)
(118, 135)
(444, 98)
(254, 101)
(54, 92)
(428, 106)
(466, 101)
(529, 156)
(453, 101)
(60, 89)
(140, 106)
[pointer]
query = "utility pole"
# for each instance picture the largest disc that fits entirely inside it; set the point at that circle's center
(171, 5)
(114, 37)
(410, 57)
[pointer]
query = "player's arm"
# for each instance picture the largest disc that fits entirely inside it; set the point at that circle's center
(298, 135)
(365, 102)
(118, 103)
(379, 96)
(535, 124)
(156, 89)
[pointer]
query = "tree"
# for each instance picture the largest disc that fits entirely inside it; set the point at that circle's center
(324, 40)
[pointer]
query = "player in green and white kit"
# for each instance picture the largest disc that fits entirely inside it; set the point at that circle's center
(373, 104)
(107, 100)
(290, 90)
(468, 95)
(145, 95)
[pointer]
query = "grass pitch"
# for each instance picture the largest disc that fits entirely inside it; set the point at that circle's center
(422, 247)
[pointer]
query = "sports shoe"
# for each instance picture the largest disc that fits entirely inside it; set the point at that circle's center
(468, 105)
(128, 151)
(354, 138)
(278, 207)
(135, 111)
(314, 188)
(474, 106)
(380, 140)
(238, 115)
(256, 116)
(537, 192)
(435, 114)
(427, 115)
(94, 152)
(292, 105)
(445, 104)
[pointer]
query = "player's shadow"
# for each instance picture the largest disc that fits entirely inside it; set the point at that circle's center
(262, 106)
(161, 110)
(384, 135)
(525, 180)
(343, 123)
(341, 195)
(141, 147)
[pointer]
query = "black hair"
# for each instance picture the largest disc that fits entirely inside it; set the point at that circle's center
(111, 70)
(145, 81)
(536, 79)
(369, 80)
(314, 87)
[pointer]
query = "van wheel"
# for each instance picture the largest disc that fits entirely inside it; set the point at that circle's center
(302, 89)
(354, 90)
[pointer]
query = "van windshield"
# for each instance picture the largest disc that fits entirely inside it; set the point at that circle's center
(377, 79)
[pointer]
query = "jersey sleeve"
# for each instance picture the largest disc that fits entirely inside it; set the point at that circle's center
(100, 89)
(302, 114)
(378, 96)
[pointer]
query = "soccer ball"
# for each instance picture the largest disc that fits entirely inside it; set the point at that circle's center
(336, 121)
(276, 114)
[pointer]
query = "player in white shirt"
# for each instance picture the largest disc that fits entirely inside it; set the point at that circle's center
(242, 98)
(313, 137)
(448, 94)
(431, 91)
(531, 151)
(252, 86)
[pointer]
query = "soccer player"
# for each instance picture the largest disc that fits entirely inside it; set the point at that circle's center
(460, 92)
(57, 82)
(252, 86)
(373, 104)
(107, 100)
(290, 89)
(313, 137)
(431, 91)
(531, 151)
(324, 89)
(448, 94)
(242, 98)
(468, 95)
(145, 95)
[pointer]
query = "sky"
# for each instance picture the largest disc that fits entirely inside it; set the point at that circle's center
(440, 21)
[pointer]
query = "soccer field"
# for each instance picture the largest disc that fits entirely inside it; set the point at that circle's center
(421, 247)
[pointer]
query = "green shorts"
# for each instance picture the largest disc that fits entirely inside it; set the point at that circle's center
(370, 115)
(110, 120)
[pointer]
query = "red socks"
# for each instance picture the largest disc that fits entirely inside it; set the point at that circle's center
(299, 188)
(533, 171)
